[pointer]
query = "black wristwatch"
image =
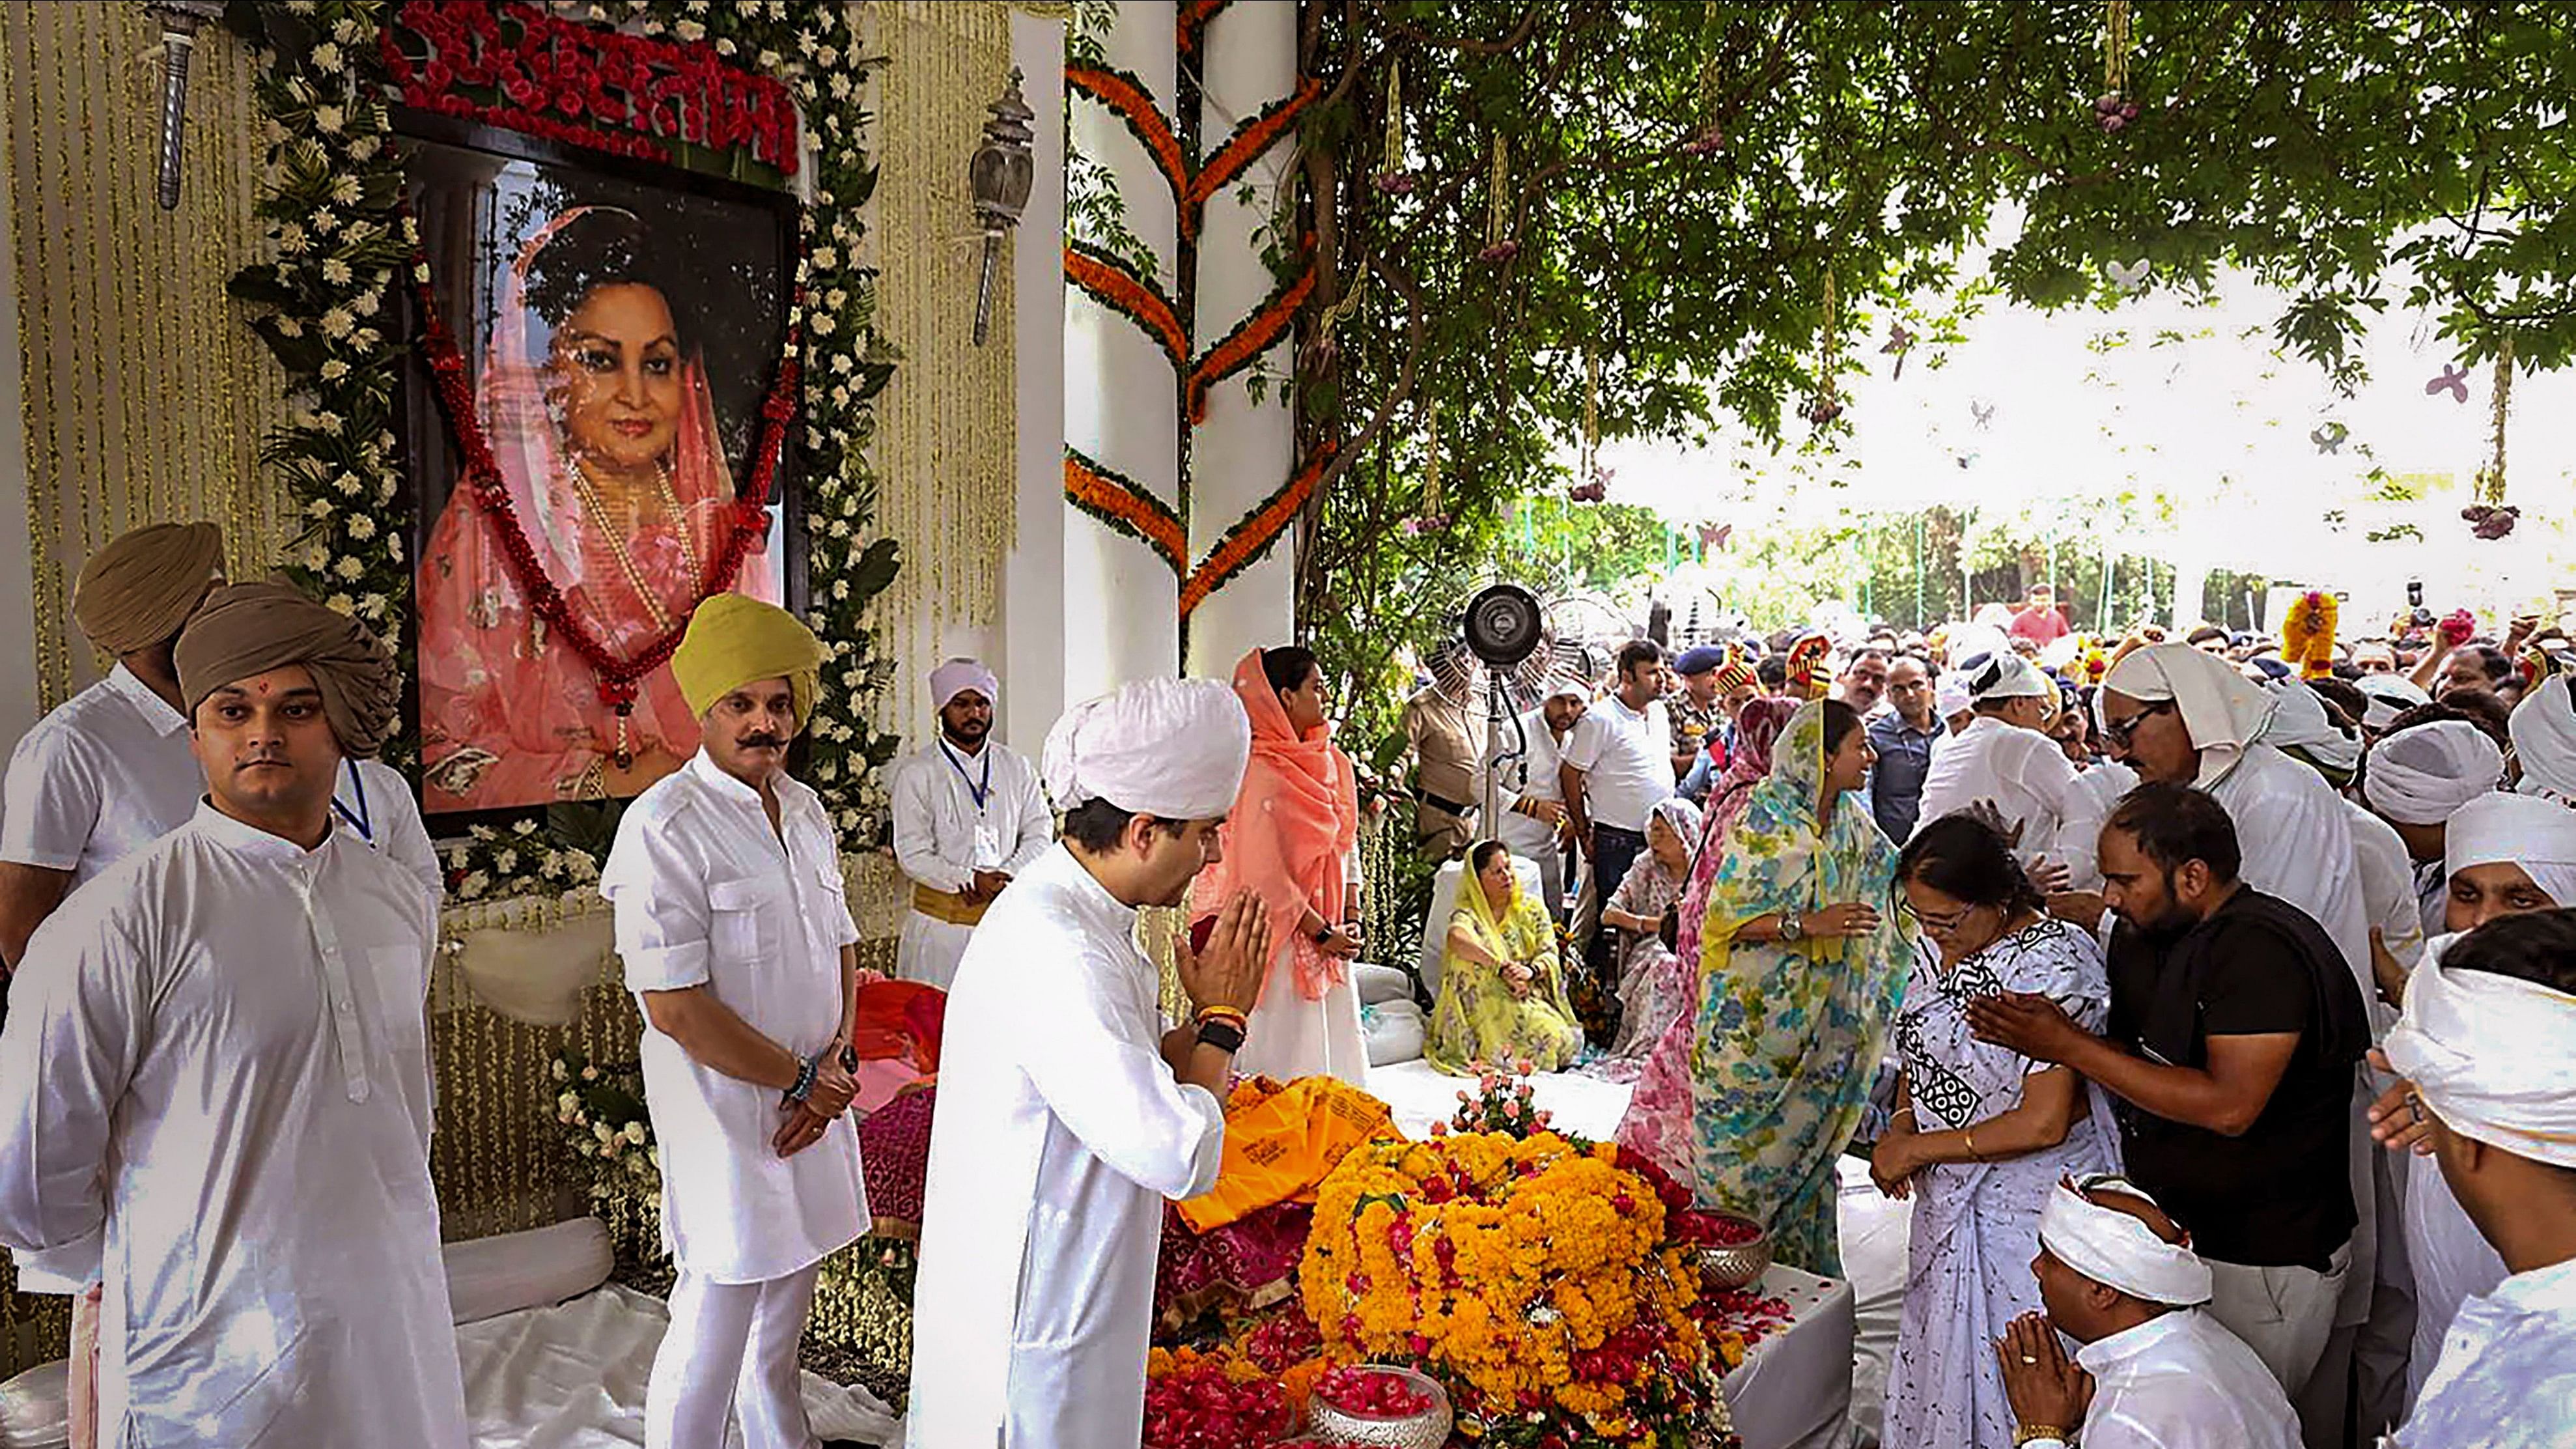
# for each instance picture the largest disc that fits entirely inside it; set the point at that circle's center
(1225, 1036)
(1323, 933)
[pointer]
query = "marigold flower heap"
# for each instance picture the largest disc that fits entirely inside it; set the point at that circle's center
(1530, 1275)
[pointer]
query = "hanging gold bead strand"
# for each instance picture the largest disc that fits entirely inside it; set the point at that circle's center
(1394, 165)
(1498, 212)
(1591, 414)
(2502, 405)
(1828, 404)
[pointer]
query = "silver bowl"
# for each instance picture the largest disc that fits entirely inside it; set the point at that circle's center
(1736, 1265)
(1426, 1430)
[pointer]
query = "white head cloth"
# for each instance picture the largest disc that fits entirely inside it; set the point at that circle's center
(1564, 688)
(2300, 722)
(1967, 641)
(2525, 830)
(2222, 710)
(1174, 749)
(959, 675)
(2423, 774)
(2007, 675)
(1950, 693)
(2390, 696)
(2494, 1056)
(2112, 1247)
(2543, 729)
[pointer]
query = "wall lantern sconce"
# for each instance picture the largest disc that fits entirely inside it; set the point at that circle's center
(998, 178)
(180, 20)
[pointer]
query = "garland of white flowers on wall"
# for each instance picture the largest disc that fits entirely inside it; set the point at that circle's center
(332, 198)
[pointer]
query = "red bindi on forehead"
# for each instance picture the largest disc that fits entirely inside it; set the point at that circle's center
(262, 685)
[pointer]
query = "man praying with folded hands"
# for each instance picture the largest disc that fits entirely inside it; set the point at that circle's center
(737, 939)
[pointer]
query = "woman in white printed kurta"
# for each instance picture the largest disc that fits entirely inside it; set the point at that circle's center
(1976, 1218)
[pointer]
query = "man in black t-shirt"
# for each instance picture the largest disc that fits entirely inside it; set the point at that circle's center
(2235, 1030)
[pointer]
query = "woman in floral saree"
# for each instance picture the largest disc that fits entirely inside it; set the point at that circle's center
(1800, 977)
(1502, 984)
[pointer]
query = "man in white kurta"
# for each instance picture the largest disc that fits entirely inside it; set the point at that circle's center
(2005, 758)
(1529, 793)
(2155, 1370)
(108, 771)
(738, 942)
(2488, 1041)
(1066, 1113)
(968, 816)
(2512, 853)
(216, 1087)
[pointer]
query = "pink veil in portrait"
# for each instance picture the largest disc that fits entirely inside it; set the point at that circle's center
(512, 712)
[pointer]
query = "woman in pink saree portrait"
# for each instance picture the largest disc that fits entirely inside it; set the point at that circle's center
(594, 397)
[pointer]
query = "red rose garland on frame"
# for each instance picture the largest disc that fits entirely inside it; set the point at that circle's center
(617, 676)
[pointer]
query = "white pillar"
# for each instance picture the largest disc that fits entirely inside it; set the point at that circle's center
(1244, 451)
(1032, 653)
(1121, 599)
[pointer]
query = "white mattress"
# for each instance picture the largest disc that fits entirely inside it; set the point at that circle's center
(572, 1377)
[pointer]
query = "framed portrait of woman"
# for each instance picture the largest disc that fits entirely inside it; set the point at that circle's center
(619, 324)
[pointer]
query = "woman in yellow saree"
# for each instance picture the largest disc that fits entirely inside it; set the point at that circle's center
(1502, 984)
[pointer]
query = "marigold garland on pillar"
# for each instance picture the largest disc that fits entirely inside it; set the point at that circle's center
(331, 198)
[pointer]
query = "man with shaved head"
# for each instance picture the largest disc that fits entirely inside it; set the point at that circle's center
(215, 1092)
(2154, 1370)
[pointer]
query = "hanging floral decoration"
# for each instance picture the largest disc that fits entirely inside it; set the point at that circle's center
(2490, 517)
(1393, 177)
(331, 197)
(1500, 245)
(1828, 402)
(2113, 111)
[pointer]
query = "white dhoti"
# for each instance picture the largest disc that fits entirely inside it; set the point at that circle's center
(1289, 1036)
(929, 949)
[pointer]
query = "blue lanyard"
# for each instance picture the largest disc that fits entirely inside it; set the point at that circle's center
(980, 792)
(364, 818)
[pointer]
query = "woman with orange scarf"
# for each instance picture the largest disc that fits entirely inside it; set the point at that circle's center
(1293, 839)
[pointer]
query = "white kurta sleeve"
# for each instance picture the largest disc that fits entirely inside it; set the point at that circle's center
(1036, 823)
(1118, 1097)
(406, 837)
(50, 802)
(82, 1006)
(660, 899)
(916, 831)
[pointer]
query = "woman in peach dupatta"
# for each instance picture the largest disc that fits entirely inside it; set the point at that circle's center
(1293, 837)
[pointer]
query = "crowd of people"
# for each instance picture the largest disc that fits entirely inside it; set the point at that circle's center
(2143, 911)
(2214, 1016)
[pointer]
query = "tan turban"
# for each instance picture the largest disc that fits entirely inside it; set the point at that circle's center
(139, 590)
(734, 640)
(250, 629)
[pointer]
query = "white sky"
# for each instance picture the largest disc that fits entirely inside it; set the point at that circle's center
(2183, 419)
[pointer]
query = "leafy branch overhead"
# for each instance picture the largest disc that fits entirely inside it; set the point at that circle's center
(1729, 206)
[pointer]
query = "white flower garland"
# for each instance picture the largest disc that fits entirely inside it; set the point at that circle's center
(331, 193)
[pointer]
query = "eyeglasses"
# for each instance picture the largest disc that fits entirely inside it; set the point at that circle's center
(2119, 731)
(1939, 923)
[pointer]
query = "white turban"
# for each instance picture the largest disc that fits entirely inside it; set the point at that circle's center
(1174, 749)
(2499, 829)
(957, 676)
(2119, 1249)
(1564, 688)
(2543, 729)
(2494, 1056)
(2390, 696)
(2008, 676)
(1950, 694)
(2421, 775)
(2301, 725)
(2221, 710)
